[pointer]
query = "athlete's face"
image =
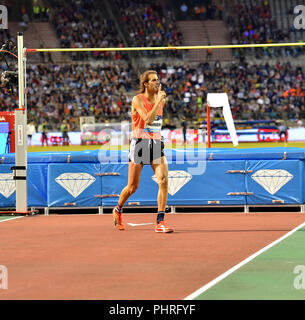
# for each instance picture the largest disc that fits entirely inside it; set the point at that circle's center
(153, 83)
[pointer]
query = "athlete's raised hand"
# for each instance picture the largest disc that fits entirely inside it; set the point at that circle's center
(161, 94)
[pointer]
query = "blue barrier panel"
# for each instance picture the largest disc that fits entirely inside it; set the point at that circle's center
(7, 186)
(73, 183)
(37, 182)
(275, 181)
(113, 184)
(36, 185)
(187, 185)
(146, 194)
(213, 184)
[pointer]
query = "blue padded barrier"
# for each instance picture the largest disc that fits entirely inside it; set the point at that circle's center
(37, 176)
(196, 177)
(7, 187)
(275, 181)
(73, 183)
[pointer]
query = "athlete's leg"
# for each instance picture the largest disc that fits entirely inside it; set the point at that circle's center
(161, 171)
(134, 173)
(160, 168)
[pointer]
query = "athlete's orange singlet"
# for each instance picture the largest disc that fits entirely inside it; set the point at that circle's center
(147, 131)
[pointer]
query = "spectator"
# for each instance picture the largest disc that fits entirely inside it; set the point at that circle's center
(220, 11)
(283, 132)
(203, 12)
(184, 129)
(30, 131)
(36, 10)
(44, 134)
(65, 128)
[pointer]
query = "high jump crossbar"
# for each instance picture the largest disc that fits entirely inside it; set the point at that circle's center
(227, 46)
(20, 168)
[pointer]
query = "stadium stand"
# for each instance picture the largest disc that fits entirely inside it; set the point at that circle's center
(262, 83)
(150, 25)
(84, 24)
(256, 92)
(262, 22)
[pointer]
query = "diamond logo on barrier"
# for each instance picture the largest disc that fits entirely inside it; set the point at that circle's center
(7, 184)
(272, 180)
(75, 183)
(176, 180)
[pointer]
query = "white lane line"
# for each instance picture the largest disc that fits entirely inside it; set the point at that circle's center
(139, 224)
(239, 265)
(8, 219)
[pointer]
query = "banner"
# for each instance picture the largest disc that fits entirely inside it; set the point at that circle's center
(55, 138)
(192, 136)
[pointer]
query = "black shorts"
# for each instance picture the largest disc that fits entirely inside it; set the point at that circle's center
(144, 151)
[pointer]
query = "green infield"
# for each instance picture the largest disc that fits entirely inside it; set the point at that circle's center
(3, 218)
(277, 273)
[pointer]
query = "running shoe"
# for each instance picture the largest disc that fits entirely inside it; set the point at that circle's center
(117, 219)
(162, 227)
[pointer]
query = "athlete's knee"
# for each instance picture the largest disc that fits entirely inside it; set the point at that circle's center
(163, 182)
(132, 188)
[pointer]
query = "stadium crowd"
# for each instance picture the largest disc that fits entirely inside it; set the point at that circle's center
(262, 91)
(198, 9)
(85, 24)
(253, 24)
(255, 91)
(57, 92)
(103, 89)
(149, 26)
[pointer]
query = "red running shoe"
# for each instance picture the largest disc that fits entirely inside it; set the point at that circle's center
(117, 219)
(162, 227)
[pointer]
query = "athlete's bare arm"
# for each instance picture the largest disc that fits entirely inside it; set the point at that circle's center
(138, 106)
